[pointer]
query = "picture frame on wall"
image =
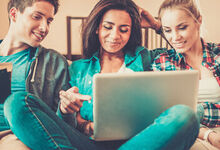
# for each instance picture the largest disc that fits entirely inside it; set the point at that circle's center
(74, 43)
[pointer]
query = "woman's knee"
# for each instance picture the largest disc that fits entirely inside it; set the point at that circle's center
(184, 116)
(185, 124)
(184, 112)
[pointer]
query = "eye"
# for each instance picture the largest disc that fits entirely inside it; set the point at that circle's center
(107, 26)
(123, 29)
(49, 21)
(166, 30)
(183, 27)
(36, 17)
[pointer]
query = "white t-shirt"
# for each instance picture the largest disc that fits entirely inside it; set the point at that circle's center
(124, 69)
(209, 90)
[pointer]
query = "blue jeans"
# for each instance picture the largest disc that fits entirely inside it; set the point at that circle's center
(37, 126)
(3, 122)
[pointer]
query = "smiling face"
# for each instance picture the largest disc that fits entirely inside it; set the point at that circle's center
(32, 26)
(180, 29)
(114, 30)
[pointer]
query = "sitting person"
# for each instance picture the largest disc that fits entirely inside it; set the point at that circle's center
(36, 70)
(111, 39)
(181, 21)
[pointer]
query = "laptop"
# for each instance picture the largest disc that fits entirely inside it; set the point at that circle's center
(126, 103)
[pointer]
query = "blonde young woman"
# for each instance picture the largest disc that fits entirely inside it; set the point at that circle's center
(181, 21)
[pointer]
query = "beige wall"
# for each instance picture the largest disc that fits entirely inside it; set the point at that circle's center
(57, 37)
(4, 18)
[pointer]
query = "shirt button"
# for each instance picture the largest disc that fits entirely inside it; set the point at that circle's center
(90, 82)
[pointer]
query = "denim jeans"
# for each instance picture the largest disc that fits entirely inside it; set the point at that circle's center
(3, 122)
(37, 126)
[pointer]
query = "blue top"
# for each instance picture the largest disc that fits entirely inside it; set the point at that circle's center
(19, 61)
(83, 70)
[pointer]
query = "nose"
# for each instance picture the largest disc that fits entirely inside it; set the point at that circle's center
(43, 26)
(115, 34)
(176, 36)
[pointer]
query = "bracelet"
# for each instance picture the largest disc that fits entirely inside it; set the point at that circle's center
(205, 137)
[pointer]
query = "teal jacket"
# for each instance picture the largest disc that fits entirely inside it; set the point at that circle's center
(83, 70)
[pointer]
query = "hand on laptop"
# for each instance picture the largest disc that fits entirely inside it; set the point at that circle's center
(71, 100)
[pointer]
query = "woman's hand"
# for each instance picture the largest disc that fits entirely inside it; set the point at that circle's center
(84, 126)
(89, 129)
(213, 137)
(71, 100)
(148, 21)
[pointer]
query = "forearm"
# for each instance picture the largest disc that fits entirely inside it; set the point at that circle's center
(155, 24)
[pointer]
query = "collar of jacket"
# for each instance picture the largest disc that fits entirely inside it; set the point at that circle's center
(129, 56)
(35, 51)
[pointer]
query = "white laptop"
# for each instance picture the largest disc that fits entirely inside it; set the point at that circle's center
(126, 103)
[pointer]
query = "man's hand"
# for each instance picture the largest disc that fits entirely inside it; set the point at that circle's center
(71, 100)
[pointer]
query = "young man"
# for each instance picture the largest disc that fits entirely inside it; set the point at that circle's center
(36, 70)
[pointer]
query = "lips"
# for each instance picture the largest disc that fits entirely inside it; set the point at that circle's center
(178, 44)
(113, 43)
(39, 36)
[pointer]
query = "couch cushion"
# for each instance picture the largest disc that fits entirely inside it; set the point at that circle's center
(9, 141)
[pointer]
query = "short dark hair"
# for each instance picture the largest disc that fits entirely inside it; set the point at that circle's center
(90, 40)
(22, 4)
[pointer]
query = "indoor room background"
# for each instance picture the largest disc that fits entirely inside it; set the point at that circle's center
(57, 37)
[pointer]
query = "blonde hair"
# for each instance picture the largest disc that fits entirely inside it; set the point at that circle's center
(189, 6)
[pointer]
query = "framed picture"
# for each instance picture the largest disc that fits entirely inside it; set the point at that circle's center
(74, 43)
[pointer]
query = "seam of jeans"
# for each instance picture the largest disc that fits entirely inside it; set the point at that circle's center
(44, 128)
